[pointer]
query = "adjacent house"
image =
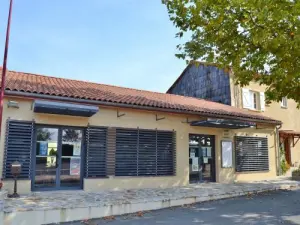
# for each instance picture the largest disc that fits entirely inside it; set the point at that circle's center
(70, 134)
(207, 81)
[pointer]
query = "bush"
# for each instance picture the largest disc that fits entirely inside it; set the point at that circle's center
(283, 163)
(296, 172)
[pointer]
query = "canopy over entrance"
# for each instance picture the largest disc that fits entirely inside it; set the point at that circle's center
(223, 123)
(284, 134)
(63, 108)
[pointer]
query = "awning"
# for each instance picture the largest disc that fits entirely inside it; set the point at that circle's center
(62, 108)
(223, 123)
(295, 135)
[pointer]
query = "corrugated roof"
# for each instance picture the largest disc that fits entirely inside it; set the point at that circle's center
(20, 82)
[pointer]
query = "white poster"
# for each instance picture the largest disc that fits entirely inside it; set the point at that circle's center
(77, 148)
(226, 154)
(208, 151)
(205, 160)
(193, 155)
(195, 165)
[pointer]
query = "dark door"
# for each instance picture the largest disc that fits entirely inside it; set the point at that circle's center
(58, 158)
(202, 158)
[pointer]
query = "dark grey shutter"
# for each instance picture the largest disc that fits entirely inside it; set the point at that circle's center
(126, 152)
(18, 147)
(147, 157)
(141, 152)
(166, 153)
(252, 154)
(96, 152)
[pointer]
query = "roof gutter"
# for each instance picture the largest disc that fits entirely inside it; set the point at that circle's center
(148, 108)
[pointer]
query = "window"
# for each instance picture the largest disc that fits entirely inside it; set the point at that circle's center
(144, 152)
(253, 100)
(18, 146)
(252, 154)
(284, 102)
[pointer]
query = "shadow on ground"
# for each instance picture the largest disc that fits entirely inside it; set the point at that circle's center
(281, 207)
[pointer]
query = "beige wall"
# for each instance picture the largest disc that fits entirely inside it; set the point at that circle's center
(289, 116)
(143, 119)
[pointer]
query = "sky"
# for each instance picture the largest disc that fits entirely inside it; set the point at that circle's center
(128, 43)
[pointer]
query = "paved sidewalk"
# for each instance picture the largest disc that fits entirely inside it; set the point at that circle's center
(78, 205)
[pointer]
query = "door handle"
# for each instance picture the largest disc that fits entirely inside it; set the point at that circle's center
(56, 161)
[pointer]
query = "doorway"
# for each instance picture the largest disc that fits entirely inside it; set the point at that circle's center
(58, 158)
(202, 158)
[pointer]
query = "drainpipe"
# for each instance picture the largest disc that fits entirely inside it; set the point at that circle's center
(279, 172)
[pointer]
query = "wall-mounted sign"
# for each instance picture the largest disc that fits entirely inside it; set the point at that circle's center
(227, 154)
(195, 164)
(75, 166)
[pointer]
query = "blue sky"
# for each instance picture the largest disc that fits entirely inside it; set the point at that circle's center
(127, 43)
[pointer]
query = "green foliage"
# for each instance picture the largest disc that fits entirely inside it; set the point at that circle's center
(283, 163)
(296, 172)
(258, 39)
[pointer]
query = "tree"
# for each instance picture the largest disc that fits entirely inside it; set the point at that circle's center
(258, 39)
(71, 135)
(43, 134)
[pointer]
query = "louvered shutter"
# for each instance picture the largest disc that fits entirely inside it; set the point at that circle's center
(18, 147)
(262, 101)
(252, 154)
(147, 157)
(166, 153)
(126, 152)
(246, 98)
(96, 152)
(141, 152)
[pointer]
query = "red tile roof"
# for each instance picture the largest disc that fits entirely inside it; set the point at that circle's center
(19, 82)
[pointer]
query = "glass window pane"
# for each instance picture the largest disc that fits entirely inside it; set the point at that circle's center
(71, 159)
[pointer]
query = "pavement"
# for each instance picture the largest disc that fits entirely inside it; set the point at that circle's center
(276, 207)
(65, 206)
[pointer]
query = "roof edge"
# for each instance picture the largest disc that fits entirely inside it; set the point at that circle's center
(132, 106)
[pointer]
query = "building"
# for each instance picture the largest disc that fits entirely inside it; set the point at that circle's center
(70, 134)
(207, 81)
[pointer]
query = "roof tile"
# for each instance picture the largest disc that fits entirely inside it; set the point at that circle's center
(46, 85)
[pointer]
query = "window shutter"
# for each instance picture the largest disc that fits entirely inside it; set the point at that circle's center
(246, 98)
(126, 152)
(18, 147)
(141, 152)
(166, 153)
(262, 101)
(252, 154)
(96, 152)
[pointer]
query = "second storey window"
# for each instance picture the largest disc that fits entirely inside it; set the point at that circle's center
(284, 102)
(253, 100)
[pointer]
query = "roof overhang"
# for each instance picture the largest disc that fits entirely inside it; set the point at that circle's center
(63, 108)
(223, 123)
(139, 107)
(290, 134)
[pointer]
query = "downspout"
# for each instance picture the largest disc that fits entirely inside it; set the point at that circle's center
(279, 172)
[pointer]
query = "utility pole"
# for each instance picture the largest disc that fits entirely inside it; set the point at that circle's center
(4, 64)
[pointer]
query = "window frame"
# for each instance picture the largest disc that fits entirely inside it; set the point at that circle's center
(284, 102)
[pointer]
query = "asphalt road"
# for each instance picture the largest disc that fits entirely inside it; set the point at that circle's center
(269, 208)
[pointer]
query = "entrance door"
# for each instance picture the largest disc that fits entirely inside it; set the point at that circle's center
(202, 158)
(57, 158)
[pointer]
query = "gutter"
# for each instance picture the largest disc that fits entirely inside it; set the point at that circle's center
(279, 172)
(132, 106)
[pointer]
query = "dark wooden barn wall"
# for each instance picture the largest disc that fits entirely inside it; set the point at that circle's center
(206, 82)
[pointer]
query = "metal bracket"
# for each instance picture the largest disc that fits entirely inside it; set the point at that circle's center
(295, 142)
(161, 118)
(120, 114)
